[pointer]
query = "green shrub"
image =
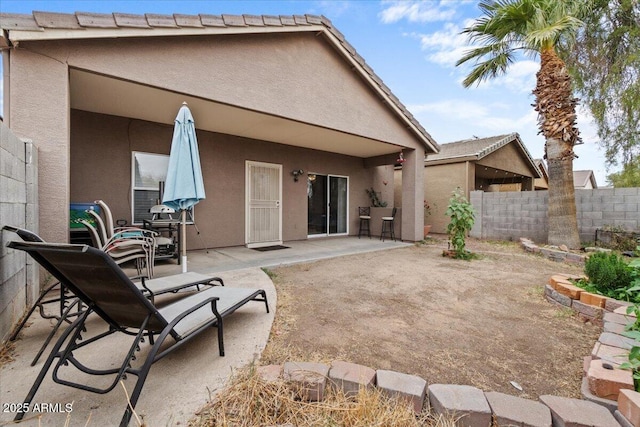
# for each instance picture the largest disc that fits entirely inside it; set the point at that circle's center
(608, 272)
(462, 218)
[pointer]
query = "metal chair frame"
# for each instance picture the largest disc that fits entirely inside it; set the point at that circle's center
(365, 221)
(106, 290)
(388, 225)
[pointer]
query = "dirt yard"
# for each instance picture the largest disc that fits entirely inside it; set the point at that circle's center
(484, 323)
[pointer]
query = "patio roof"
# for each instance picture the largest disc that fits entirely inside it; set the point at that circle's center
(475, 149)
(122, 98)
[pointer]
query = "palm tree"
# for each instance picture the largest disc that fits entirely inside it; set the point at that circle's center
(537, 27)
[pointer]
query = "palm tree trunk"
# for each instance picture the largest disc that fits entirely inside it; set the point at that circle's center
(556, 109)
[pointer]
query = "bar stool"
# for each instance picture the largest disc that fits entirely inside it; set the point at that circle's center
(388, 225)
(365, 220)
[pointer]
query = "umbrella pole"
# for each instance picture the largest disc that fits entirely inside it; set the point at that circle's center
(183, 242)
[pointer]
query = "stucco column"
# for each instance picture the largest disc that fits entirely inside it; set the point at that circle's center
(413, 195)
(39, 109)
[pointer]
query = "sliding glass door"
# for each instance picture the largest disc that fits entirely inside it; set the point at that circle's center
(328, 197)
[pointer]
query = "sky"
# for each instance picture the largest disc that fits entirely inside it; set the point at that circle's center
(412, 46)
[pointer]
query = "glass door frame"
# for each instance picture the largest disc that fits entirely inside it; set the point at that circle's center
(327, 207)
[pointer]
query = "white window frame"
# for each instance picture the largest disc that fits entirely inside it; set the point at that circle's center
(134, 188)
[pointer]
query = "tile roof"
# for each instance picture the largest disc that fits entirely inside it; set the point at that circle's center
(79, 21)
(477, 148)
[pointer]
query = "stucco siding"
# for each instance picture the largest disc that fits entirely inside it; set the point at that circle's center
(39, 88)
(296, 76)
(101, 149)
(507, 158)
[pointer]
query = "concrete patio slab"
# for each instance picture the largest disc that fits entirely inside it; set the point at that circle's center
(184, 381)
(236, 257)
(177, 386)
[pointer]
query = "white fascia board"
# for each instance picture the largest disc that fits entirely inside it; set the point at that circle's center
(107, 33)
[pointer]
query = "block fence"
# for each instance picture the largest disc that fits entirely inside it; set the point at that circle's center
(19, 284)
(515, 214)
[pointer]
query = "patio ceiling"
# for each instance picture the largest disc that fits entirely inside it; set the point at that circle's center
(106, 95)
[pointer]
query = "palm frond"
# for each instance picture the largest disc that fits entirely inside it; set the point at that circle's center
(494, 66)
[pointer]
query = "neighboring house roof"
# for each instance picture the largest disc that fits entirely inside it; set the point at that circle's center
(582, 178)
(543, 167)
(82, 25)
(477, 148)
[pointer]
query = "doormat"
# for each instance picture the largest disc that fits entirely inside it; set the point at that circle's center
(270, 248)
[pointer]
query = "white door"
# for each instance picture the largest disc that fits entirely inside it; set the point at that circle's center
(263, 205)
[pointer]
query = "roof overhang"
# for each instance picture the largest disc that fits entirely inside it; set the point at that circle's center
(107, 95)
(41, 26)
(477, 157)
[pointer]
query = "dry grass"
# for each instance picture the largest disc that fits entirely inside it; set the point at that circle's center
(7, 352)
(250, 400)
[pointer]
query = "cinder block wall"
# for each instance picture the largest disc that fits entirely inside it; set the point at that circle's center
(19, 282)
(511, 215)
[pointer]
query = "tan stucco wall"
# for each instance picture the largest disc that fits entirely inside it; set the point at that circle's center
(101, 147)
(296, 76)
(507, 158)
(439, 182)
(39, 88)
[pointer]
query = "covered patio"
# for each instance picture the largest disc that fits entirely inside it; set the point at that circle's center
(270, 96)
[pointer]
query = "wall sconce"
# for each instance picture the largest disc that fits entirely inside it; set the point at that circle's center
(296, 173)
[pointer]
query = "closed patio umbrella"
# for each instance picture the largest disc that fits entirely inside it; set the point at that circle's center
(184, 186)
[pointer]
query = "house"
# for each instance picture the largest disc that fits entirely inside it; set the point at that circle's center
(541, 183)
(497, 163)
(292, 123)
(584, 180)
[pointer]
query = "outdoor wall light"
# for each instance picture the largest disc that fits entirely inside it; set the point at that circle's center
(296, 173)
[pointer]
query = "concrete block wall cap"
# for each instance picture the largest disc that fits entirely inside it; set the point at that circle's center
(610, 405)
(468, 404)
(352, 373)
(620, 318)
(571, 291)
(459, 397)
(629, 406)
(516, 411)
(606, 381)
(269, 373)
(566, 411)
(396, 381)
(622, 420)
(623, 310)
(613, 304)
(609, 354)
(615, 328)
(616, 340)
(409, 387)
(310, 378)
(307, 370)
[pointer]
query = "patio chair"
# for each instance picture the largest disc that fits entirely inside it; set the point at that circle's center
(107, 291)
(389, 225)
(54, 293)
(365, 221)
(111, 232)
(134, 245)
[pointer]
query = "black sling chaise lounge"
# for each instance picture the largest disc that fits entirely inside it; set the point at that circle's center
(68, 301)
(106, 290)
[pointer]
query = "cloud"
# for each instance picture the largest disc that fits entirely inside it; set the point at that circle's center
(334, 8)
(519, 78)
(472, 117)
(417, 11)
(446, 46)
